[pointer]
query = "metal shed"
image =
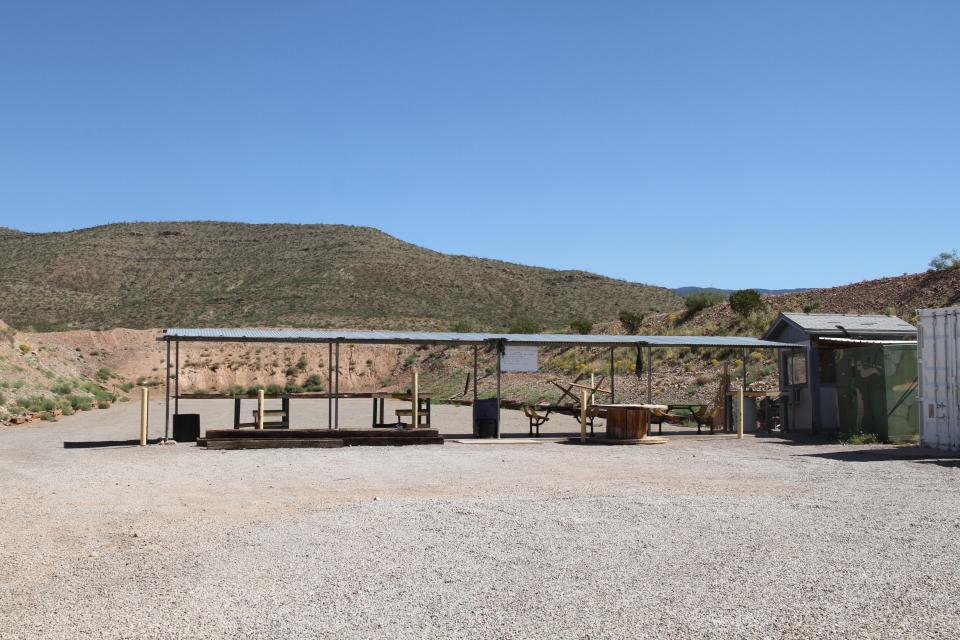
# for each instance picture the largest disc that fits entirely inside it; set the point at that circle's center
(808, 372)
(940, 378)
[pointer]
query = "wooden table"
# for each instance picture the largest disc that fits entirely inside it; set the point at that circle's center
(628, 421)
(380, 399)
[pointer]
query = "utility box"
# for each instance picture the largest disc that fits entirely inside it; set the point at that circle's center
(877, 391)
(186, 427)
(940, 378)
(485, 418)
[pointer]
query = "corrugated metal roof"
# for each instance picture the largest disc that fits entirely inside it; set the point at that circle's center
(864, 341)
(840, 324)
(425, 337)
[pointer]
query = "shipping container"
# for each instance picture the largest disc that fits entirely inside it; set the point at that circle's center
(939, 361)
(877, 391)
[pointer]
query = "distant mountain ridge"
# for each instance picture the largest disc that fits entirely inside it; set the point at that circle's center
(685, 292)
(141, 275)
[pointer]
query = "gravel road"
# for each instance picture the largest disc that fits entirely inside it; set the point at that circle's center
(697, 538)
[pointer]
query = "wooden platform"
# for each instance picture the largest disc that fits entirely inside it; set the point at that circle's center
(257, 439)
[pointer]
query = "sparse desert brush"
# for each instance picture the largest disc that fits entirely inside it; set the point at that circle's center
(80, 403)
(756, 356)
(25, 348)
(313, 383)
(103, 374)
(63, 388)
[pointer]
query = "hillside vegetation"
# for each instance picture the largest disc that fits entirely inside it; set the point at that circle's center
(141, 275)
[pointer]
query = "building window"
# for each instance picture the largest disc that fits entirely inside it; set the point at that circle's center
(797, 368)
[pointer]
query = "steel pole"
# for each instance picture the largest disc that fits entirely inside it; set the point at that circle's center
(329, 385)
(176, 381)
(649, 374)
(499, 358)
(613, 390)
(336, 400)
(166, 407)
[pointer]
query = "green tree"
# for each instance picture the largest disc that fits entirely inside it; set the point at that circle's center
(745, 301)
(631, 321)
(945, 260)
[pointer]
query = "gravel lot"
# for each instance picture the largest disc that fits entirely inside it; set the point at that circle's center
(698, 538)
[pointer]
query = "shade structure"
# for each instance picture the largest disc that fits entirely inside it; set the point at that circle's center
(209, 334)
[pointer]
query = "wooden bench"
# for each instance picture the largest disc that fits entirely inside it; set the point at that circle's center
(283, 423)
(536, 419)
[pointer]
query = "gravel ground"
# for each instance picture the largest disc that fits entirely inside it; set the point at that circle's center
(697, 538)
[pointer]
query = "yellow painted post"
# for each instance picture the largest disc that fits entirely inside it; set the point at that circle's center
(416, 399)
(144, 414)
(593, 385)
(583, 416)
(740, 421)
(260, 403)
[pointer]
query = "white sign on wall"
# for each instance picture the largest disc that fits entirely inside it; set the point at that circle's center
(519, 359)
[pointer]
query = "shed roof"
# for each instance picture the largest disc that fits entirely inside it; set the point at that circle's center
(841, 324)
(422, 337)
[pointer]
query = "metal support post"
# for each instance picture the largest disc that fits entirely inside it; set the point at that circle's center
(166, 408)
(176, 380)
(613, 390)
(336, 400)
(499, 362)
(329, 385)
(649, 374)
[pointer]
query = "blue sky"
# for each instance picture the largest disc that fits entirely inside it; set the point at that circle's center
(769, 144)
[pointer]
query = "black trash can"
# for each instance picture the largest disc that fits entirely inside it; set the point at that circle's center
(485, 418)
(186, 427)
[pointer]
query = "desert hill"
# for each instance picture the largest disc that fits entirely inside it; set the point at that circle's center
(140, 275)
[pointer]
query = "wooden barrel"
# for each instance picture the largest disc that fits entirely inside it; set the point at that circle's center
(627, 423)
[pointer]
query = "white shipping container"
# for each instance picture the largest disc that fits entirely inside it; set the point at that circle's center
(939, 366)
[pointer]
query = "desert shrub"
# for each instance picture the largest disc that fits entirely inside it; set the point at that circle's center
(103, 374)
(35, 404)
(462, 326)
(273, 389)
(861, 438)
(235, 390)
(943, 261)
(65, 407)
(293, 387)
(745, 301)
(102, 395)
(80, 403)
(291, 371)
(700, 301)
(63, 388)
(313, 383)
(524, 325)
(103, 404)
(126, 387)
(631, 321)
(302, 363)
(46, 416)
(810, 307)
(583, 327)
(25, 348)
(254, 389)
(3, 399)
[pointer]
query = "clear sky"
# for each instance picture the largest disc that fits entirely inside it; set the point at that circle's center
(767, 143)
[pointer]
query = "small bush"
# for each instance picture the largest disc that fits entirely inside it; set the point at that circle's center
(291, 371)
(302, 363)
(462, 326)
(65, 407)
(313, 383)
(63, 388)
(583, 327)
(105, 396)
(103, 404)
(524, 325)
(126, 387)
(745, 301)
(700, 301)
(631, 321)
(103, 374)
(293, 387)
(3, 399)
(80, 403)
(810, 307)
(254, 389)
(273, 390)
(235, 390)
(25, 348)
(942, 262)
(861, 438)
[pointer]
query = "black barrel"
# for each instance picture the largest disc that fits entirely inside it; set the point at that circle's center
(485, 418)
(186, 427)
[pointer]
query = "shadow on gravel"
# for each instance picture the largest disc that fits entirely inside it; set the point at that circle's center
(910, 454)
(98, 444)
